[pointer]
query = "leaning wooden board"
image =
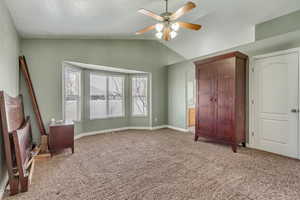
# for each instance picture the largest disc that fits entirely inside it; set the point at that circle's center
(25, 72)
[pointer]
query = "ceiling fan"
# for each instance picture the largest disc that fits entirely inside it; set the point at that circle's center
(168, 25)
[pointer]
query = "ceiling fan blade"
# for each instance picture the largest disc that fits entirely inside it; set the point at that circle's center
(166, 34)
(151, 14)
(195, 27)
(181, 11)
(149, 28)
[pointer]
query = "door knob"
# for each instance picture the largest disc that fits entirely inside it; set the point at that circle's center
(295, 110)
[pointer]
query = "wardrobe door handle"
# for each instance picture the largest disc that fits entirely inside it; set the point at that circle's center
(212, 99)
(295, 110)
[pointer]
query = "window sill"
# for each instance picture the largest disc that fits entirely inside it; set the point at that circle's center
(139, 116)
(104, 118)
(74, 121)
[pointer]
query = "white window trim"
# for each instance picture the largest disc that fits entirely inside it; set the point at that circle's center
(147, 96)
(63, 92)
(123, 101)
(107, 75)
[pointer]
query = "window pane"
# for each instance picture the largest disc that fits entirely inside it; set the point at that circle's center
(98, 95)
(116, 96)
(139, 96)
(72, 94)
(72, 86)
(71, 110)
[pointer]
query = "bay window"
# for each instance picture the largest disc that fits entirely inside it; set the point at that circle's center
(139, 91)
(106, 96)
(72, 94)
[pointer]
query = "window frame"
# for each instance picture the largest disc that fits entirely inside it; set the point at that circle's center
(107, 75)
(132, 98)
(123, 99)
(79, 105)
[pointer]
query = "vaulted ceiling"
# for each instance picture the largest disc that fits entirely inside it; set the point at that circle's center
(226, 23)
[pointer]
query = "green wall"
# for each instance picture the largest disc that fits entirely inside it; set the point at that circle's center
(9, 73)
(177, 93)
(45, 58)
(277, 26)
(92, 125)
(87, 125)
(179, 73)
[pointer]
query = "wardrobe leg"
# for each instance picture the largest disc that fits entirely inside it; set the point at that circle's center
(234, 148)
(244, 144)
(196, 138)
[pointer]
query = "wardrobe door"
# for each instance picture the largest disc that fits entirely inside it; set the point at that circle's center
(205, 101)
(225, 96)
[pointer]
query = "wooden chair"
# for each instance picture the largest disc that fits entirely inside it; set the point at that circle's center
(17, 139)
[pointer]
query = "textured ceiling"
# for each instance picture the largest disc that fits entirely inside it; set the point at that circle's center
(226, 23)
(230, 25)
(87, 18)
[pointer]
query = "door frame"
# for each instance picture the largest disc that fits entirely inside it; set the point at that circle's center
(252, 138)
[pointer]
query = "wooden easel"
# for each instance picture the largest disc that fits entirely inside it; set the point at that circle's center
(44, 138)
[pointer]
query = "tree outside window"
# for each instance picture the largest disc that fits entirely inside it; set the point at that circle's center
(139, 96)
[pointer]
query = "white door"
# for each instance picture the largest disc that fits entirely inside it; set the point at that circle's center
(276, 108)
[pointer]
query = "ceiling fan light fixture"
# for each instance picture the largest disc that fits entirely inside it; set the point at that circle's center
(173, 34)
(159, 27)
(159, 35)
(175, 26)
(168, 25)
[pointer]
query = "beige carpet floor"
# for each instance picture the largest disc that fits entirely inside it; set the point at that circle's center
(162, 165)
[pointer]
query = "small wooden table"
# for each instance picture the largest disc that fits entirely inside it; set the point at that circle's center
(61, 136)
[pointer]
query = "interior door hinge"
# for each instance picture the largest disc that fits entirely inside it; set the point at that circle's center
(252, 69)
(252, 101)
(252, 133)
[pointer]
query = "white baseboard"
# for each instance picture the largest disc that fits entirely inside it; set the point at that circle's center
(2, 185)
(99, 132)
(178, 129)
(119, 129)
(252, 146)
(146, 127)
(139, 128)
(159, 127)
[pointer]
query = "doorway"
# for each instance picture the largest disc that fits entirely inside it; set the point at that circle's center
(191, 100)
(275, 103)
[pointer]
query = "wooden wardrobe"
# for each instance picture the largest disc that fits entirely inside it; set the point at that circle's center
(221, 99)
